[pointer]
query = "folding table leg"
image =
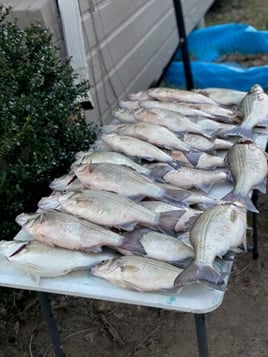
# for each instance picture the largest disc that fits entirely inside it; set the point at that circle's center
(51, 325)
(255, 251)
(201, 334)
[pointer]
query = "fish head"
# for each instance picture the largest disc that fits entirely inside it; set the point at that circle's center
(60, 183)
(53, 201)
(10, 248)
(106, 267)
(27, 219)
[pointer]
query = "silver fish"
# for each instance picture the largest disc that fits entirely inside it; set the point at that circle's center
(40, 260)
(175, 122)
(217, 113)
(178, 95)
(248, 166)
(137, 96)
(184, 223)
(67, 231)
(254, 107)
(129, 104)
(181, 108)
(125, 181)
(215, 232)
(201, 143)
(157, 246)
(138, 273)
(136, 148)
(111, 157)
(188, 177)
(109, 209)
(223, 96)
(124, 115)
(155, 134)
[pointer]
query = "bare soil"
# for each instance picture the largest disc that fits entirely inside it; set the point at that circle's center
(239, 327)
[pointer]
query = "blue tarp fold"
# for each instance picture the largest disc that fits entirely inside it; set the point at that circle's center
(210, 44)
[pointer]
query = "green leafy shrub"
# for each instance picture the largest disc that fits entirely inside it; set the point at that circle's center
(41, 122)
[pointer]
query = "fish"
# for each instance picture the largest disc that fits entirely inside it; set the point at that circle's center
(186, 220)
(191, 197)
(129, 104)
(199, 142)
(138, 273)
(124, 181)
(109, 209)
(155, 134)
(67, 231)
(254, 108)
(223, 96)
(124, 115)
(182, 108)
(248, 166)
(188, 177)
(175, 122)
(217, 231)
(137, 96)
(199, 159)
(178, 95)
(42, 261)
(136, 148)
(217, 113)
(111, 157)
(156, 245)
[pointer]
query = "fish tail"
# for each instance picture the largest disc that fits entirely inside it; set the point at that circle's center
(210, 133)
(243, 199)
(159, 171)
(193, 156)
(131, 242)
(197, 273)
(176, 196)
(239, 131)
(168, 220)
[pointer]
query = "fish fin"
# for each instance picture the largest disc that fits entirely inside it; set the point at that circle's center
(204, 187)
(193, 156)
(183, 263)
(132, 286)
(239, 131)
(131, 241)
(175, 164)
(126, 226)
(197, 273)
(262, 186)
(168, 221)
(93, 249)
(187, 225)
(210, 133)
(159, 171)
(243, 199)
(136, 198)
(229, 256)
(176, 196)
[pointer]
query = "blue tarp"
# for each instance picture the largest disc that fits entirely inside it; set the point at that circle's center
(210, 44)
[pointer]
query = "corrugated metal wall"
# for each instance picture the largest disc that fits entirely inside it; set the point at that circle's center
(128, 42)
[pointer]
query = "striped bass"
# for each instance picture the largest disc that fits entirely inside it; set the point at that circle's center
(110, 210)
(67, 231)
(40, 260)
(215, 232)
(248, 166)
(138, 273)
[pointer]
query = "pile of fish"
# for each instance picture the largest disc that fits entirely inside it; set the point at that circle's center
(136, 209)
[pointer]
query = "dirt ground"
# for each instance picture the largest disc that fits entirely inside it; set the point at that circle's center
(97, 328)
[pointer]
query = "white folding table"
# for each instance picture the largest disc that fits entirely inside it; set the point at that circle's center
(197, 299)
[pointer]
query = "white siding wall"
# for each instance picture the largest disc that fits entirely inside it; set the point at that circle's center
(128, 42)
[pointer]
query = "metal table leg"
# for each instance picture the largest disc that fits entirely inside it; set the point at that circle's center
(201, 333)
(255, 251)
(51, 325)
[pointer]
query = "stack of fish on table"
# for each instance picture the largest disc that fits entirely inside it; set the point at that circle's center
(136, 208)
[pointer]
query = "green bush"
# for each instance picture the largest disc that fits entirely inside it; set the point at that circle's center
(41, 122)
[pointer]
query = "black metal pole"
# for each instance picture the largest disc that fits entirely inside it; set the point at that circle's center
(51, 325)
(201, 334)
(183, 44)
(255, 251)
